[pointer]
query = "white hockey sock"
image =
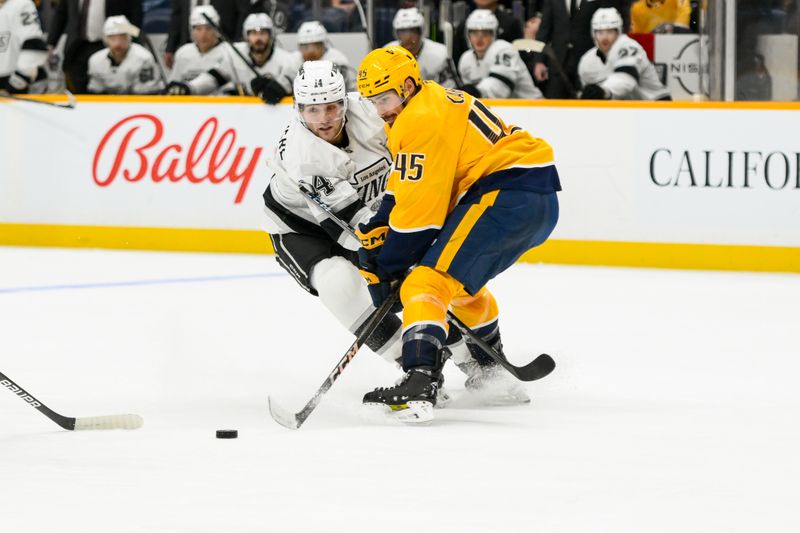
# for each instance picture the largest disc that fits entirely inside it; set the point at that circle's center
(344, 292)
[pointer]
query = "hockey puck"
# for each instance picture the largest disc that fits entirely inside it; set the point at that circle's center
(227, 433)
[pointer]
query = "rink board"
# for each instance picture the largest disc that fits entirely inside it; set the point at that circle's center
(683, 185)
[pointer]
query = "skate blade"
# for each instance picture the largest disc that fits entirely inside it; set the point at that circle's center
(500, 396)
(443, 398)
(415, 412)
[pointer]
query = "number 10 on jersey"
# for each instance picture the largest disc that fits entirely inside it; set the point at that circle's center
(410, 166)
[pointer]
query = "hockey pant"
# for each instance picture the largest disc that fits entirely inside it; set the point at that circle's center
(480, 238)
(325, 269)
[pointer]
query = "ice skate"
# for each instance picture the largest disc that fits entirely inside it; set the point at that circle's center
(494, 383)
(412, 400)
(489, 380)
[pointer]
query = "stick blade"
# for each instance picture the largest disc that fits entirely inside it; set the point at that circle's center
(447, 30)
(282, 416)
(537, 369)
(71, 100)
(109, 422)
(528, 45)
(131, 30)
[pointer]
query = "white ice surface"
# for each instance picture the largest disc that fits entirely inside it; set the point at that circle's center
(675, 406)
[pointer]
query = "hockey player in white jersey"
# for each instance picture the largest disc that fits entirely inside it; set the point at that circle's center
(23, 51)
(313, 45)
(123, 67)
(617, 67)
(492, 67)
(233, 76)
(337, 145)
(409, 25)
(204, 53)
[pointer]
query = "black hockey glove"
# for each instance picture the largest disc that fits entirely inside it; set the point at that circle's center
(594, 92)
(267, 89)
(469, 88)
(178, 88)
(17, 83)
(379, 283)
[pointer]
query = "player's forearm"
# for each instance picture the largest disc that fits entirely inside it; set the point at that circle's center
(493, 87)
(620, 85)
(30, 61)
(207, 82)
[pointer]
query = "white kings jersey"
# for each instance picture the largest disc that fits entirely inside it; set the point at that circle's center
(350, 180)
(500, 74)
(137, 74)
(433, 62)
(189, 62)
(626, 73)
(337, 58)
(22, 45)
(233, 72)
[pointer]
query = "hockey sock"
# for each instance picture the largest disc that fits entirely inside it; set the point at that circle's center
(422, 345)
(491, 334)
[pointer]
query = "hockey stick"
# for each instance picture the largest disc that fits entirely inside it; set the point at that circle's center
(91, 422)
(536, 369)
(69, 104)
(363, 18)
(295, 420)
(235, 50)
(146, 40)
(447, 29)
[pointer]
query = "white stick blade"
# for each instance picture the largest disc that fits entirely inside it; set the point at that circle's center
(528, 45)
(131, 30)
(109, 422)
(447, 29)
(282, 416)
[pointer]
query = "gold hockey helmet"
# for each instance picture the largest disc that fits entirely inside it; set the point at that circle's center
(385, 69)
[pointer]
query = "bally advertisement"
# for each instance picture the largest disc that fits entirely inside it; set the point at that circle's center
(662, 184)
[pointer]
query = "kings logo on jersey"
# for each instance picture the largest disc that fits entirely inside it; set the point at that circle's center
(5, 38)
(370, 182)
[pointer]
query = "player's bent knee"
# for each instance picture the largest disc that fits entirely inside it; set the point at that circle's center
(426, 294)
(342, 290)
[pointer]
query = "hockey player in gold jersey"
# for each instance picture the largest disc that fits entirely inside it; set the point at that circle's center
(661, 16)
(467, 196)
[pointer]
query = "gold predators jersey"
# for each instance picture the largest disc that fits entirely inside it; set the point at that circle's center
(649, 15)
(443, 143)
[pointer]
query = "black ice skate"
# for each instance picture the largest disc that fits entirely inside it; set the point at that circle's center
(411, 400)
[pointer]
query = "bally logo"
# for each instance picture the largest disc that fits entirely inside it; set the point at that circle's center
(136, 148)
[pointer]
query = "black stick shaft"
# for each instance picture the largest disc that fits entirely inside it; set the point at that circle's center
(149, 44)
(63, 421)
(230, 43)
(351, 352)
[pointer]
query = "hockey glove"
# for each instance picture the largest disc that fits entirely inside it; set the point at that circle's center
(178, 88)
(17, 83)
(379, 282)
(267, 89)
(594, 92)
(471, 89)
